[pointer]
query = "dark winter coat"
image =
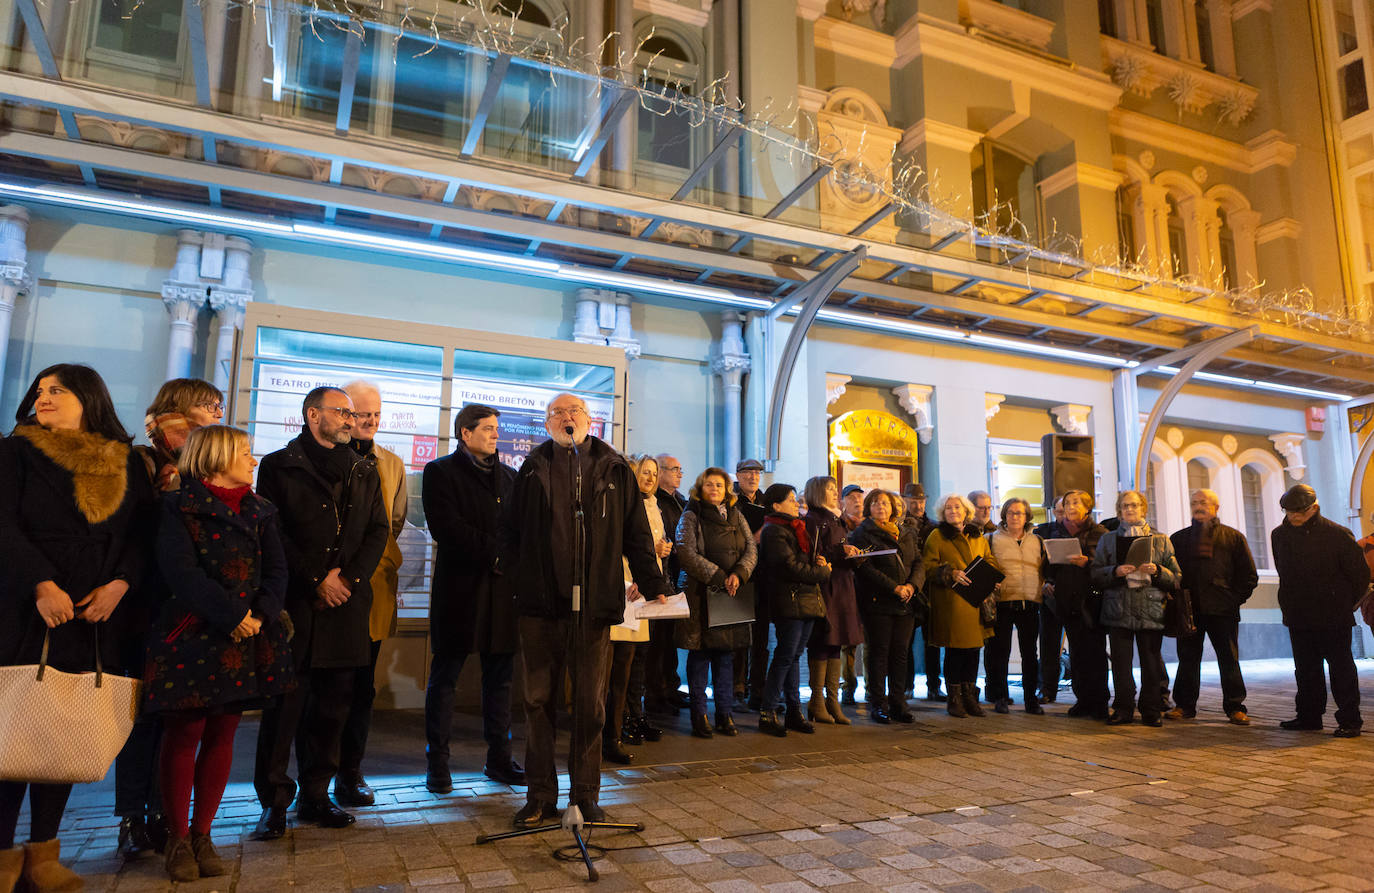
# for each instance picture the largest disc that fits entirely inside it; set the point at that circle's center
(616, 527)
(1322, 573)
(1073, 585)
(218, 565)
(784, 569)
(841, 625)
(671, 506)
(1140, 608)
(877, 577)
(920, 525)
(471, 605)
(79, 530)
(753, 510)
(1228, 578)
(319, 534)
(711, 548)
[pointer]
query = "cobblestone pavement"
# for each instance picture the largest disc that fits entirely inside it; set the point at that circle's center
(1005, 803)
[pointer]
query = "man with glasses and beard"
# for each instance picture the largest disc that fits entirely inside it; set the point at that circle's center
(334, 531)
(539, 537)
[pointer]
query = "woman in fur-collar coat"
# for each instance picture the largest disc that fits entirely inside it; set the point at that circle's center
(955, 625)
(75, 506)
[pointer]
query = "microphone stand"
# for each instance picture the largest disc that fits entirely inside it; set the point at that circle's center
(572, 816)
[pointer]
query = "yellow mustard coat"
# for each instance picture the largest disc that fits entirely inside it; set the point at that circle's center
(954, 623)
(391, 470)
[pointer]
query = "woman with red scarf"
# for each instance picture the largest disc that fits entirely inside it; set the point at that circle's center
(791, 573)
(218, 646)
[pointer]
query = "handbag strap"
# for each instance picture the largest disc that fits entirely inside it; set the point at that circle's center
(99, 664)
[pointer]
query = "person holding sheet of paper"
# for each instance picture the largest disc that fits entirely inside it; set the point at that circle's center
(954, 624)
(1069, 593)
(1019, 555)
(1133, 567)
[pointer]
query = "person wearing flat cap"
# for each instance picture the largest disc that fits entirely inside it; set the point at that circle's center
(751, 664)
(1322, 576)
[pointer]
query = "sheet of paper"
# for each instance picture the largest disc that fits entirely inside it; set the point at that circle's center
(1061, 550)
(675, 608)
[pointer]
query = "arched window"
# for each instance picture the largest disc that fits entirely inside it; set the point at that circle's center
(522, 11)
(1178, 240)
(1226, 242)
(1125, 227)
(1252, 509)
(665, 132)
(1004, 198)
(1199, 475)
(1203, 16)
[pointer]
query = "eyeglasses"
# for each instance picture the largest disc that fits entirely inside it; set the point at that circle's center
(570, 413)
(211, 407)
(673, 468)
(343, 411)
(367, 416)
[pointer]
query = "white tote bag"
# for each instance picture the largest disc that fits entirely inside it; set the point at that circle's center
(63, 728)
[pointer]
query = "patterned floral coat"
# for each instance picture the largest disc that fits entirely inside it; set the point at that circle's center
(219, 565)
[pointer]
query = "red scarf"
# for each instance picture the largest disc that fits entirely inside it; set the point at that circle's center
(798, 527)
(230, 496)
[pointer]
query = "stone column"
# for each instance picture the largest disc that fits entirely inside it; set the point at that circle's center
(730, 363)
(183, 295)
(1072, 417)
(623, 335)
(587, 321)
(14, 272)
(915, 399)
(1290, 447)
(229, 301)
(1243, 225)
(623, 146)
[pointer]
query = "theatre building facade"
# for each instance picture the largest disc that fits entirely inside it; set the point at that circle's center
(979, 245)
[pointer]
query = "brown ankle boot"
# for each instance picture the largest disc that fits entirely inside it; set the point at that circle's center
(954, 705)
(969, 691)
(832, 692)
(44, 874)
(817, 707)
(181, 861)
(11, 866)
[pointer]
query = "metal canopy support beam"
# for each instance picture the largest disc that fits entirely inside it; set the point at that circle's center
(1200, 355)
(496, 73)
(1028, 298)
(1361, 468)
(803, 188)
(948, 239)
(603, 135)
(348, 76)
(810, 296)
(963, 286)
(727, 139)
(891, 275)
(874, 219)
(195, 36)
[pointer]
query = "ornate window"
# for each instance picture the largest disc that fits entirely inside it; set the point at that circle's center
(665, 133)
(1004, 195)
(1252, 509)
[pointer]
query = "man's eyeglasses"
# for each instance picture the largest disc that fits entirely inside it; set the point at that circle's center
(367, 416)
(570, 413)
(211, 407)
(343, 411)
(673, 468)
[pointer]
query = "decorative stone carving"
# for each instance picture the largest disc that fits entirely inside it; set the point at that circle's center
(603, 317)
(1200, 175)
(1289, 446)
(1132, 74)
(834, 386)
(1072, 417)
(878, 9)
(915, 399)
(1234, 108)
(854, 134)
(1229, 444)
(1174, 437)
(992, 404)
(1186, 92)
(1147, 160)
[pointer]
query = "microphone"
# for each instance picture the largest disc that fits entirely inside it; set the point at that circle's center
(568, 430)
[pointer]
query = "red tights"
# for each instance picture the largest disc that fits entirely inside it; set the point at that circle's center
(183, 768)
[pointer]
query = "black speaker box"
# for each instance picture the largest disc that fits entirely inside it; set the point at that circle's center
(1068, 465)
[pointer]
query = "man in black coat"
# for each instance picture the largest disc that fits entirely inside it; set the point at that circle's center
(540, 547)
(750, 665)
(471, 607)
(1322, 575)
(662, 682)
(334, 530)
(1219, 573)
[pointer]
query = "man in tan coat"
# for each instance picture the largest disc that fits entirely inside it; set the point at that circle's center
(350, 788)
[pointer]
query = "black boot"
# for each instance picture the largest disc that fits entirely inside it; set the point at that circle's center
(701, 726)
(770, 724)
(796, 722)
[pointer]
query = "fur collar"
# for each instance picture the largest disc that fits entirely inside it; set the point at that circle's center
(99, 467)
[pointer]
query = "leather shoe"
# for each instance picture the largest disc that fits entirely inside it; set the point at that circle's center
(134, 841)
(904, 717)
(1180, 713)
(509, 772)
(1346, 732)
(1153, 722)
(536, 813)
(1238, 718)
(1120, 719)
(613, 752)
(679, 699)
(794, 721)
(438, 780)
(701, 726)
(1002, 705)
(591, 812)
(1033, 706)
(324, 813)
(769, 724)
(630, 735)
(647, 730)
(353, 790)
(725, 725)
(1299, 725)
(879, 715)
(271, 825)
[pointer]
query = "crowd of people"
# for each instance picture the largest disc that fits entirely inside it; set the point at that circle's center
(164, 563)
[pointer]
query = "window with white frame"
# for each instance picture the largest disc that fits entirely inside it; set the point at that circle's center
(1017, 469)
(665, 132)
(1252, 509)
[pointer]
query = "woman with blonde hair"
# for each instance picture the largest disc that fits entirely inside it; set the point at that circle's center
(717, 552)
(218, 646)
(1133, 595)
(955, 625)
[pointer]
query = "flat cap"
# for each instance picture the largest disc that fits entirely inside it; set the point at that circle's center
(850, 488)
(1299, 498)
(914, 491)
(748, 465)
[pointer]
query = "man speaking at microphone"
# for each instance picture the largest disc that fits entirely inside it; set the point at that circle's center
(539, 532)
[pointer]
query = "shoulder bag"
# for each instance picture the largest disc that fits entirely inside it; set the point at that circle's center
(63, 728)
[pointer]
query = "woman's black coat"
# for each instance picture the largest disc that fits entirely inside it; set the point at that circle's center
(1072, 584)
(471, 604)
(45, 536)
(710, 548)
(320, 534)
(878, 576)
(219, 565)
(785, 568)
